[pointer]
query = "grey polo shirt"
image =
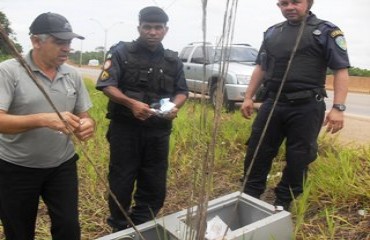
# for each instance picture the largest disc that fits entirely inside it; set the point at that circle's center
(19, 95)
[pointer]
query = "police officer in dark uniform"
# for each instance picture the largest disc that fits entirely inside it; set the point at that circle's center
(136, 76)
(300, 110)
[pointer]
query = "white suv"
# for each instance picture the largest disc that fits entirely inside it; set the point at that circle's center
(205, 65)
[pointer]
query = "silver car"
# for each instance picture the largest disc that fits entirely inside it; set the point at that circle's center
(208, 67)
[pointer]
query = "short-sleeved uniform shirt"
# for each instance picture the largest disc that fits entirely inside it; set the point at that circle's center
(19, 95)
(329, 37)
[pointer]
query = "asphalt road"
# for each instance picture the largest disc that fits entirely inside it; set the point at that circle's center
(92, 73)
(358, 104)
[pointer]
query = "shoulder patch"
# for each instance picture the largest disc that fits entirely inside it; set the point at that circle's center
(341, 42)
(109, 55)
(335, 33)
(104, 76)
(107, 64)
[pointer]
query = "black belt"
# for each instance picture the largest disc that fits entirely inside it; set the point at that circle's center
(319, 93)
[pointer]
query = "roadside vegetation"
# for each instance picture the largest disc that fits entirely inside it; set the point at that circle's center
(354, 71)
(336, 203)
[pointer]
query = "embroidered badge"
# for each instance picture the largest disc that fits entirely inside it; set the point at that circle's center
(104, 76)
(341, 42)
(336, 33)
(107, 64)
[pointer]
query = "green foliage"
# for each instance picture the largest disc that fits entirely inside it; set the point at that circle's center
(359, 72)
(4, 57)
(5, 24)
(354, 71)
(338, 184)
(336, 189)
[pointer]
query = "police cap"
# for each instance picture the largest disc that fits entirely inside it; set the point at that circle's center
(153, 14)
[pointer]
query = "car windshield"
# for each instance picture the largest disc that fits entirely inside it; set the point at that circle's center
(236, 54)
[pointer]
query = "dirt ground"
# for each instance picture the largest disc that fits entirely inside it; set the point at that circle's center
(356, 131)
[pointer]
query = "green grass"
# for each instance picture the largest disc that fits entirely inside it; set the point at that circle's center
(336, 189)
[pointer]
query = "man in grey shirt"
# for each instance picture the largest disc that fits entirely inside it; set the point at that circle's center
(37, 156)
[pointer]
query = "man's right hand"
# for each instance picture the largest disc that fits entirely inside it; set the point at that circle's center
(141, 110)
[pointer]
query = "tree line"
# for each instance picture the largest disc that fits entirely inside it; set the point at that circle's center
(4, 49)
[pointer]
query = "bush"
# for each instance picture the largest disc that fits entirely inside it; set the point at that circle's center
(4, 57)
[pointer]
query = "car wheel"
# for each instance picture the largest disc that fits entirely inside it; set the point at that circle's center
(227, 104)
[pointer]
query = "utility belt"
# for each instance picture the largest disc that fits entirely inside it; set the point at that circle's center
(300, 96)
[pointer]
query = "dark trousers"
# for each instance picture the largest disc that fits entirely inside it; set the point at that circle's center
(20, 190)
(299, 125)
(138, 160)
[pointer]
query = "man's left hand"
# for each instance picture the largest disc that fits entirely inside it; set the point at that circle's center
(334, 121)
(86, 129)
(172, 114)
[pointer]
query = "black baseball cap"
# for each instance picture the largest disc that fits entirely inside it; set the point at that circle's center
(53, 24)
(153, 14)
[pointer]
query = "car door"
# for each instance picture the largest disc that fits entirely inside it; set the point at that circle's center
(194, 71)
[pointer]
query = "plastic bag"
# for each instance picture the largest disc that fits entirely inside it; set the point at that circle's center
(164, 107)
(216, 229)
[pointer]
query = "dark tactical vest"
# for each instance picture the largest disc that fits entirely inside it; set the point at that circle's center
(143, 80)
(308, 65)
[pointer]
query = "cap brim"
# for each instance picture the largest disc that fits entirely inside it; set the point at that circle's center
(66, 35)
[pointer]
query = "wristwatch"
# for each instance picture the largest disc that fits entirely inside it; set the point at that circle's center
(340, 107)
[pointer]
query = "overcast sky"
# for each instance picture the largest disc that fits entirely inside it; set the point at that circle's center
(120, 18)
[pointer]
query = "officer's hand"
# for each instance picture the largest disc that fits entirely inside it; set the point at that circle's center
(334, 121)
(86, 129)
(172, 114)
(141, 110)
(247, 108)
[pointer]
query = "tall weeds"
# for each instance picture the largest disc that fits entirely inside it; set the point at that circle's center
(336, 189)
(335, 204)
